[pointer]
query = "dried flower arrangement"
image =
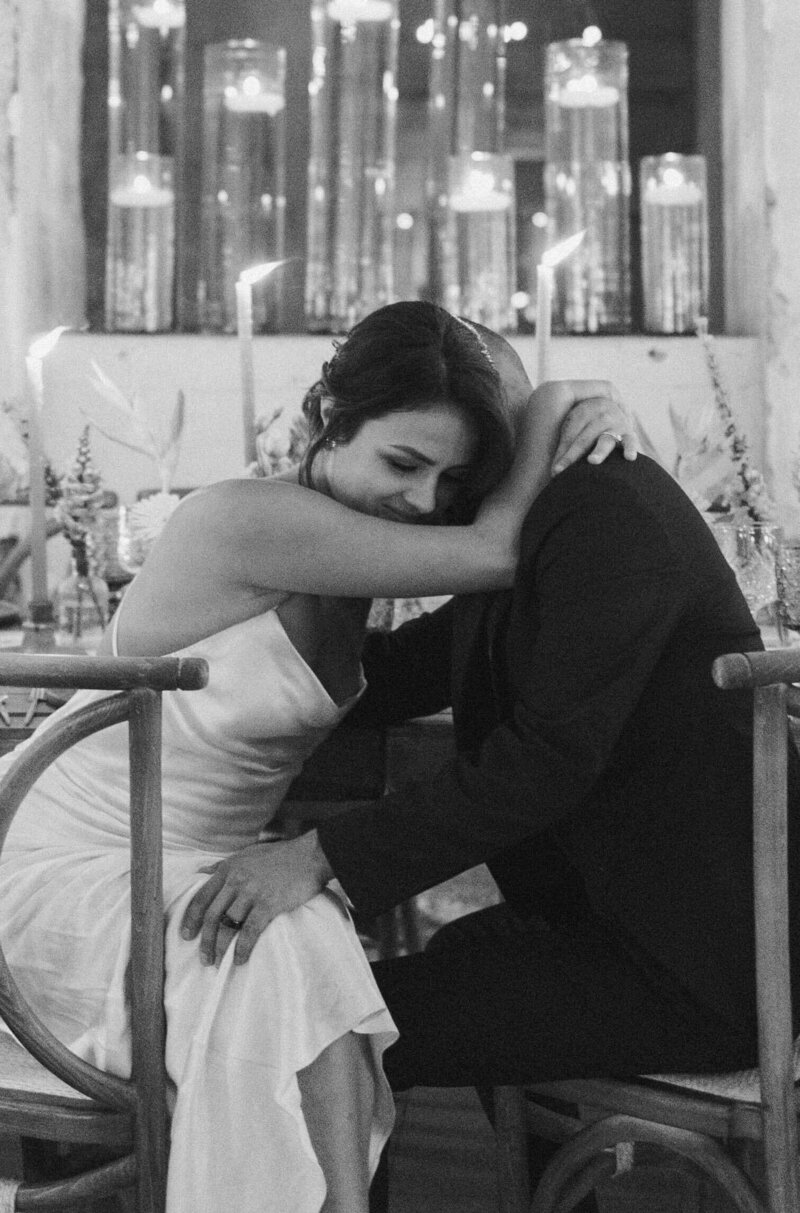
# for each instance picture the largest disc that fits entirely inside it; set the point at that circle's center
(127, 423)
(78, 510)
(14, 469)
(744, 493)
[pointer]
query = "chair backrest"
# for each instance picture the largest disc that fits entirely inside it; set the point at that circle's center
(140, 682)
(770, 675)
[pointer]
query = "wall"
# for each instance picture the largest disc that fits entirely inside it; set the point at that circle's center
(652, 375)
(40, 259)
(782, 173)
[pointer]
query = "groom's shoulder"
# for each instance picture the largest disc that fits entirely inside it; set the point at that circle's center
(617, 478)
(617, 494)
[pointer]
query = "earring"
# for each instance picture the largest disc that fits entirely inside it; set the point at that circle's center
(330, 444)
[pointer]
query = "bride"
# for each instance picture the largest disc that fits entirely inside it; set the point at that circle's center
(280, 1103)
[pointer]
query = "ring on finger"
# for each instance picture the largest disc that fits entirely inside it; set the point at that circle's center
(618, 439)
(232, 923)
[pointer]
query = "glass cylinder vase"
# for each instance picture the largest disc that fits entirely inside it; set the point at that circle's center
(140, 248)
(479, 259)
(588, 183)
(351, 168)
(465, 112)
(244, 180)
(674, 226)
(146, 75)
(81, 605)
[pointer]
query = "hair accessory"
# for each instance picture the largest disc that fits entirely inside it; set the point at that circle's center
(481, 343)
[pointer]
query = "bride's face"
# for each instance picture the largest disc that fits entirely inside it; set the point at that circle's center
(408, 467)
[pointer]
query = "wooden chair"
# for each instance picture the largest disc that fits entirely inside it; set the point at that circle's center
(46, 1092)
(728, 1127)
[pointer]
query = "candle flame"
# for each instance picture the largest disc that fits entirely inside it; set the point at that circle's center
(256, 272)
(42, 346)
(556, 254)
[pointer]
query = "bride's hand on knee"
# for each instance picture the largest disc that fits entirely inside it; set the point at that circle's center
(248, 889)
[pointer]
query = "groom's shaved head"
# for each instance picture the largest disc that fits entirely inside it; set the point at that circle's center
(509, 365)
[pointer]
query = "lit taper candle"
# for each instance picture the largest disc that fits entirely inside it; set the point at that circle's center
(545, 281)
(244, 328)
(40, 610)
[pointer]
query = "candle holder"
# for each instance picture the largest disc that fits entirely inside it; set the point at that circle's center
(587, 182)
(146, 75)
(480, 250)
(351, 167)
(244, 179)
(674, 226)
(465, 114)
(140, 249)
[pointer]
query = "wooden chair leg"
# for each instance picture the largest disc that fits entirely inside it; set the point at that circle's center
(511, 1152)
(604, 1166)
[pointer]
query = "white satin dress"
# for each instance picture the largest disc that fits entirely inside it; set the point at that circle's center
(236, 1035)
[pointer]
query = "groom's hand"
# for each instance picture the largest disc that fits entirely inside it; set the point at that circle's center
(248, 889)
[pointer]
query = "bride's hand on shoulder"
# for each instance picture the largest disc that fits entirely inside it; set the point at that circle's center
(597, 423)
(561, 421)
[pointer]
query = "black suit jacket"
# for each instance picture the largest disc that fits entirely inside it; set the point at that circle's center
(598, 769)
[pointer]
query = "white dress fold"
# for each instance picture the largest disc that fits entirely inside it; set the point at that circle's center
(236, 1035)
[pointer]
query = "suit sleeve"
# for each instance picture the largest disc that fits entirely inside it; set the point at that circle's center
(600, 591)
(407, 671)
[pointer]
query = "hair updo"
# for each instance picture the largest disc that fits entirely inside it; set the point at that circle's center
(406, 356)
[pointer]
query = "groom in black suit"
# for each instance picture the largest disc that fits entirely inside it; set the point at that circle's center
(605, 781)
(602, 777)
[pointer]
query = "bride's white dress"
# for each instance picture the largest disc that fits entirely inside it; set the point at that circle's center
(236, 1035)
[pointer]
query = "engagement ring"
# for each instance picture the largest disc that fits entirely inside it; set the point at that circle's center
(227, 921)
(610, 434)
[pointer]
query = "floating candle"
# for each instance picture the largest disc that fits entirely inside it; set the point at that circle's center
(162, 15)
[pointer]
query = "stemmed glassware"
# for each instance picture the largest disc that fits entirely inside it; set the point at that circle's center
(751, 549)
(789, 590)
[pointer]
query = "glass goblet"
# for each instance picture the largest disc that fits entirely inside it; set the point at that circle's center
(788, 589)
(751, 549)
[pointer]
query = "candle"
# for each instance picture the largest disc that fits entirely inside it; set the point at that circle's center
(674, 241)
(350, 12)
(162, 15)
(244, 328)
(545, 281)
(34, 363)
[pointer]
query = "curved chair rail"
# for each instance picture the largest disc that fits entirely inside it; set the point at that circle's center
(742, 670)
(103, 673)
(140, 680)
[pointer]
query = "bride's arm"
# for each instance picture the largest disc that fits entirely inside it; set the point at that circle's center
(269, 535)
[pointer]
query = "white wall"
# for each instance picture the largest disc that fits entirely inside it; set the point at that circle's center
(652, 375)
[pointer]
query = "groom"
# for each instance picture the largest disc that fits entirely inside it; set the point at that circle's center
(602, 777)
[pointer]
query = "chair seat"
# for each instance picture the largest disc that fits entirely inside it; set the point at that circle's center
(743, 1085)
(21, 1072)
(36, 1103)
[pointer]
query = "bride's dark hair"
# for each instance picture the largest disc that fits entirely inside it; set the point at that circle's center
(406, 356)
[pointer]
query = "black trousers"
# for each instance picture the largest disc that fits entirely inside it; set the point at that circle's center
(495, 1001)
